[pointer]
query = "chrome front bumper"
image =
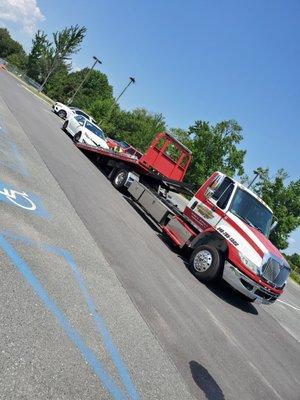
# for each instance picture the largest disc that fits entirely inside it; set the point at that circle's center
(247, 286)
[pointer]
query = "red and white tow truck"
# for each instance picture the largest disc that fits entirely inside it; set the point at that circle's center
(224, 228)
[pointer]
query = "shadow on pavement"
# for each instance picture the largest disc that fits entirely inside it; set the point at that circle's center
(226, 293)
(221, 289)
(142, 214)
(206, 382)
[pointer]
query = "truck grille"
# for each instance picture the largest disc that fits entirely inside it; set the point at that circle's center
(275, 272)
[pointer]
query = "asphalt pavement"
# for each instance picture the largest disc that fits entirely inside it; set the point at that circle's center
(95, 305)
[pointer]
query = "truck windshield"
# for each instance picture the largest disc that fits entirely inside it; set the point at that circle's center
(250, 210)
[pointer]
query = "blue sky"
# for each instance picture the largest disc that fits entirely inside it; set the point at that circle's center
(210, 60)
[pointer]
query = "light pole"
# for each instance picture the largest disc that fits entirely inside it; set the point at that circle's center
(84, 79)
(257, 174)
(131, 81)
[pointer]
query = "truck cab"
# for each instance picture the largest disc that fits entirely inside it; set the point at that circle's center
(231, 228)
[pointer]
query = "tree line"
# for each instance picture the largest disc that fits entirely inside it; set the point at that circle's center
(214, 146)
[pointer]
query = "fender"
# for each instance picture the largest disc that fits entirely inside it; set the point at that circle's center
(211, 236)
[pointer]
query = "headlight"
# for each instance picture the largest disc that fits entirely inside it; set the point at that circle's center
(249, 264)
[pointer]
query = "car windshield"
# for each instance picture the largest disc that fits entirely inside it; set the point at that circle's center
(250, 210)
(97, 131)
(124, 144)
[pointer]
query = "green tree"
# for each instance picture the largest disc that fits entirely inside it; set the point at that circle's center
(95, 88)
(138, 127)
(46, 58)
(18, 59)
(284, 200)
(8, 46)
(66, 43)
(214, 148)
(40, 57)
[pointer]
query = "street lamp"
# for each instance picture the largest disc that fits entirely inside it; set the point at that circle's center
(131, 81)
(85, 78)
(257, 174)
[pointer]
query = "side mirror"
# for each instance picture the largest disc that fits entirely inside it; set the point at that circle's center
(80, 123)
(273, 226)
(209, 192)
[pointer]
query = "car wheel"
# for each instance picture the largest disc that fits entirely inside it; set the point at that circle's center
(65, 124)
(206, 263)
(62, 114)
(119, 179)
(76, 137)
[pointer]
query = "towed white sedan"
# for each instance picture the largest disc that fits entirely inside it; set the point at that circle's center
(84, 131)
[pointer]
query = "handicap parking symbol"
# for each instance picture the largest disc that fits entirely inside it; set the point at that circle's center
(25, 200)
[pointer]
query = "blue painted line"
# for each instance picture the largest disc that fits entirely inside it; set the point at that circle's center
(100, 324)
(21, 165)
(27, 201)
(15, 161)
(73, 335)
(109, 345)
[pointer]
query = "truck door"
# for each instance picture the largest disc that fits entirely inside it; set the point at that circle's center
(206, 208)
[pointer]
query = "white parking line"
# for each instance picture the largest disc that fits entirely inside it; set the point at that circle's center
(289, 305)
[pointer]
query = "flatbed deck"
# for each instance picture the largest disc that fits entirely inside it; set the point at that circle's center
(135, 165)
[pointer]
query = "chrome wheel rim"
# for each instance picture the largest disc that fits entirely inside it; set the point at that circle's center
(120, 178)
(202, 261)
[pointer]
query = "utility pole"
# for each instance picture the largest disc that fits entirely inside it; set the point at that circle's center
(84, 79)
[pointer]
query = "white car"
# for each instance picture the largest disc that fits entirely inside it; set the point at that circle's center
(65, 112)
(84, 131)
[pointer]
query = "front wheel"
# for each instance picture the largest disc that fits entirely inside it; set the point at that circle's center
(206, 263)
(65, 124)
(76, 137)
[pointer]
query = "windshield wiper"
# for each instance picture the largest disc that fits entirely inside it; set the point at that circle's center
(247, 221)
(243, 219)
(258, 228)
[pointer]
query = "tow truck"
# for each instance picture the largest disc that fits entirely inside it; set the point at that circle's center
(223, 228)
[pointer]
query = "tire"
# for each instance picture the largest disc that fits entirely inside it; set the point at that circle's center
(119, 179)
(206, 263)
(62, 114)
(76, 137)
(64, 127)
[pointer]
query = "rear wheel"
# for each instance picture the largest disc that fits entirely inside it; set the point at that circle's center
(119, 179)
(62, 114)
(206, 263)
(76, 137)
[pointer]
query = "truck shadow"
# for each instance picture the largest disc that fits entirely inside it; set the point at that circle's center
(226, 293)
(142, 214)
(206, 382)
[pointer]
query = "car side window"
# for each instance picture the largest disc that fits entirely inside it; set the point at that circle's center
(80, 119)
(81, 113)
